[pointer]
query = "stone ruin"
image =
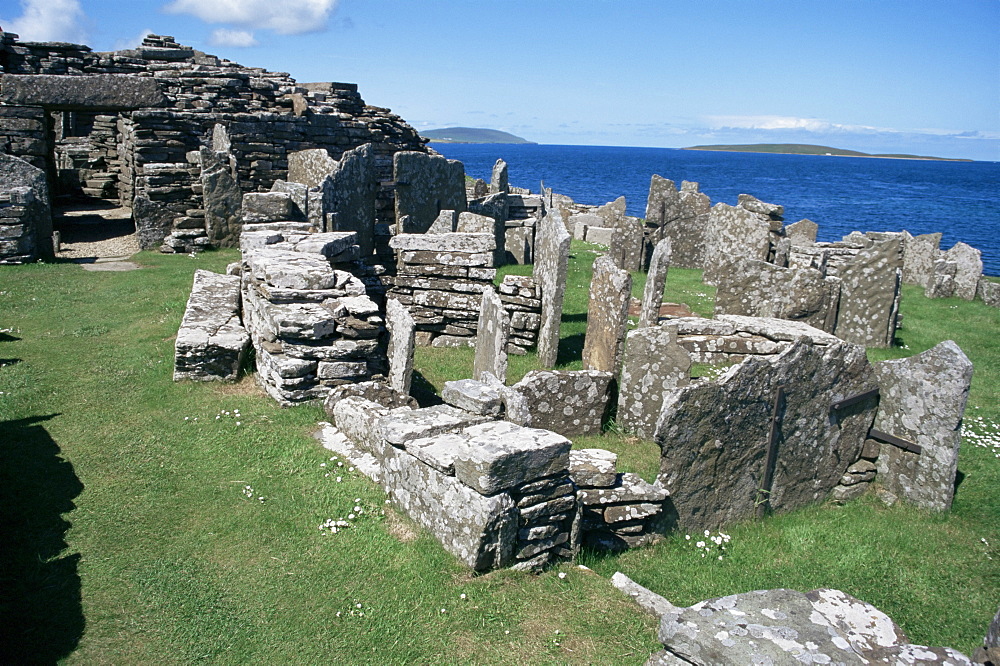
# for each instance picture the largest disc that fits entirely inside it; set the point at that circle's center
(133, 127)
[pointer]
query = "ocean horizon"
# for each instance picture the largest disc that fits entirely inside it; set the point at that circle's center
(840, 193)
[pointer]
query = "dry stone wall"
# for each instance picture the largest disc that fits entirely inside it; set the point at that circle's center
(25, 212)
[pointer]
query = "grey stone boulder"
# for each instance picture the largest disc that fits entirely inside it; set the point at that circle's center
(969, 268)
(402, 427)
(551, 263)
(260, 207)
(923, 400)
(473, 396)
(656, 281)
(919, 255)
(802, 233)
(571, 402)
(989, 292)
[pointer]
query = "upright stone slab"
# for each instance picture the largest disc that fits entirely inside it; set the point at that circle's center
(802, 233)
(942, 281)
(310, 167)
(922, 400)
(607, 317)
(498, 179)
(969, 263)
(919, 255)
(572, 402)
(734, 231)
(426, 185)
(682, 217)
(492, 333)
(714, 437)
(656, 281)
(759, 289)
(626, 244)
(211, 342)
(401, 344)
(551, 262)
(221, 193)
(869, 295)
(350, 193)
(989, 292)
(654, 364)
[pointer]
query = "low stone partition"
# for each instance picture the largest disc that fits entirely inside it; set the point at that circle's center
(211, 342)
(729, 339)
(495, 494)
(312, 325)
(620, 511)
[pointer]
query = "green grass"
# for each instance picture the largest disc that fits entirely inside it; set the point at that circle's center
(128, 537)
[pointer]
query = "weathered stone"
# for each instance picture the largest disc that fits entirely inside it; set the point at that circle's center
(759, 289)
(969, 264)
(648, 600)
(919, 255)
(492, 334)
(600, 235)
(501, 456)
(350, 194)
(480, 531)
(452, 242)
(401, 344)
(261, 207)
(774, 329)
(403, 427)
(341, 369)
(221, 194)
(310, 167)
(332, 245)
(656, 281)
(471, 223)
(498, 178)
(869, 295)
(802, 232)
(211, 341)
(989, 292)
(515, 404)
(626, 244)
(992, 639)
(628, 488)
(292, 270)
(551, 262)
(755, 205)
(374, 391)
(593, 468)
(734, 231)
(570, 402)
(654, 364)
(942, 281)
(607, 317)
(153, 221)
(472, 396)
(31, 236)
(714, 436)
(360, 420)
(86, 91)
(922, 400)
(426, 185)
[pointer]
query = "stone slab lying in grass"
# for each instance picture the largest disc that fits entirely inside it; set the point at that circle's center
(211, 341)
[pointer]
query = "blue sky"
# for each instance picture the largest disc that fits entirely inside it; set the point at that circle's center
(911, 76)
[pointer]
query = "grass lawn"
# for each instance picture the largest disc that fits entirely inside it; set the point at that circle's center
(129, 535)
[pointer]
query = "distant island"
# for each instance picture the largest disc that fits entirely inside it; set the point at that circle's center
(471, 135)
(808, 149)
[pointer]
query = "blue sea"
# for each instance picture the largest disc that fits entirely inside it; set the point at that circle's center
(841, 194)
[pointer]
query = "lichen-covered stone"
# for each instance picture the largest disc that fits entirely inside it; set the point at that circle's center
(654, 364)
(656, 281)
(211, 341)
(607, 317)
(714, 436)
(501, 456)
(492, 335)
(402, 427)
(426, 185)
(593, 468)
(969, 264)
(551, 262)
(922, 400)
(919, 255)
(571, 402)
(401, 329)
(473, 396)
(802, 232)
(869, 295)
(734, 231)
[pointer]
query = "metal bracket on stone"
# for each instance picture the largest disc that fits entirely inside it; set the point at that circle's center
(777, 408)
(895, 441)
(847, 402)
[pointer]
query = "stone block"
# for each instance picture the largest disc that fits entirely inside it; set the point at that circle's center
(654, 364)
(473, 396)
(211, 342)
(869, 295)
(656, 281)
(802, 233)
(445, 243)
(600, 235)
(492, 335)
(969, 269)
(593, 468)
(425, 185)
(551, 262)
(91, 91)
(572, 402)
(607, 317)
(402, 330)
(919, 255)
(501, 455)
(922, 401)
(400, 428)
(310, 167)
(989, 292)
(262, 207)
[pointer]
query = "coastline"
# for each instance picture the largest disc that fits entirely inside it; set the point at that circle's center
(919, 158)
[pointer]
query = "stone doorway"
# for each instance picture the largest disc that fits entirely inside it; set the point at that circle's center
(93, 229)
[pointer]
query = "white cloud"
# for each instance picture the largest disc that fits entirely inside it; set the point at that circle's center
(237, 38)
(49, 21)
(286, 17)
(783, 123)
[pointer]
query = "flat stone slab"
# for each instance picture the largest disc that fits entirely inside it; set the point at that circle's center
(401, 428)
(593, 468)
(211, 341)
(654, 363)
(90, 91)
(292, 270)
(448, 242)
(779, 329)
(473, 396)
(627, 488)
(501, 455)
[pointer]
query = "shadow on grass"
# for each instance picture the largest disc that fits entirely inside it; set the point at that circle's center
(570, 349)
(41, 617)
(423, 391)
